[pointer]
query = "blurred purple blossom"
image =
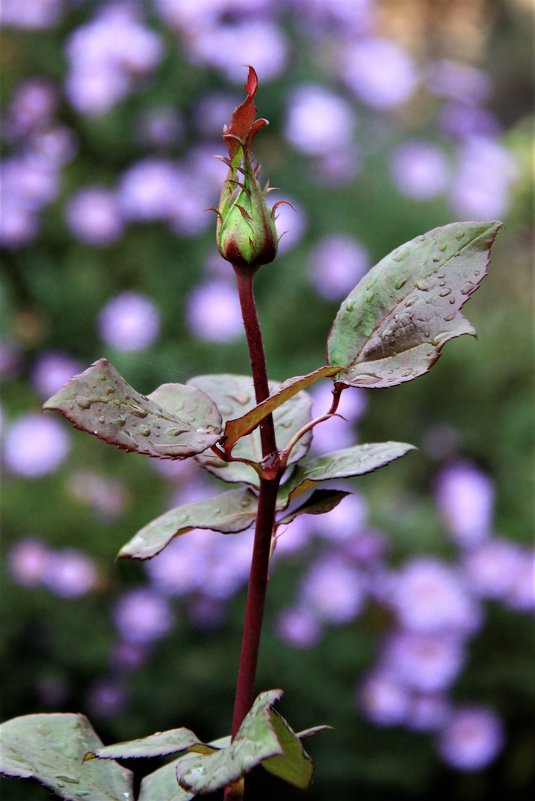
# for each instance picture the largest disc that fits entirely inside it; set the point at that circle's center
(70, 573)
(337, 264)
(94, 216)
(27, 560)
(54, 145)
(378, 71)
(106, 495)
(160, 127)
(51, 370)
(318, 120)
(148, 189)
(465, 500)
(456, 81)
(32, 106)
(35, 445)
(182, 568)
(502, 570)
(213, 111)
(291, 222)
(471, 739)
(485, 175)
(107, 698)
(338, 432)
(426, 662)
(332, 590)
(337, 167)
(129, 322)
(31, 14)
(213, 312)
(128, 656)
(344, 523)
(430, 596)
(461, 121)
(143, 616)
(106, 55)
(382, 700)
(419, 170)
(298, 627)
(427, 712)
(349, 18)
(10, 358)
(293, 538)
(227, 46)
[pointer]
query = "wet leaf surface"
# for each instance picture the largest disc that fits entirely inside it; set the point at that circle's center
(174, 422)
(159, 744)
(355, 461)
(228, 513)
(234, 397)
(392, 327)
(51, 748)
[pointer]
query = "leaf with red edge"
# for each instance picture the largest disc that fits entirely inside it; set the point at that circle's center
(392, 327)
(237, 428)
(175, 422)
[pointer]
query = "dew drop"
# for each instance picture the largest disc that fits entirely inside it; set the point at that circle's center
(350, 305)
(449, 317)
(144, 431)
(467, 288)
(84, 402)
(369, 297)
(423, 286)
(138, 411)
(411, 300)
(452, 300)
(245, 503)
(401, 282)
(101, 418)
(445, 292)
(121, 420)
(443, 246)
(368, 378)
(68, 779)
(441, 275)
(459, 236)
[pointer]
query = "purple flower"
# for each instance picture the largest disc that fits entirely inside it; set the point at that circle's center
(495, 567)
(51, 370)
(379, 72)
(107, 698)
(318, 120)
(94, 216)
(290, 222)
(106, 55)
(182, 568)
(337, 167)
(471, 739)
(465, 499)
(228, 565)
(333, 591)
(337, 264)
(105, 494)
(344, 523)
(31, 107)
(129, 321)
(143, 616)
(522, 594)
(422, 661)
(19, 225)
(148, 189)
(430, 596)
(35, 445)
(128, 656)
(354, 17)
(298, 627)
(29, 181)
(369, 547)
(228, 46)
(70, 573)
(160, 126)
(485, 175)
(293, 538)
(213, 312)
(427, 712)
(213, 112)
(419, 170)
(31, 14)
(382, 700)
(455, 81)
(462, 121)
(27, 560)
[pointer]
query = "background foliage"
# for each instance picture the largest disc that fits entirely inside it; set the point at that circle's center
(387, 119)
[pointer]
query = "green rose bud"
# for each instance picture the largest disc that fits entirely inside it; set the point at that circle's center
(246, 232)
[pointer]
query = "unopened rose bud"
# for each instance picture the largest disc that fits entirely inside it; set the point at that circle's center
(246, 232)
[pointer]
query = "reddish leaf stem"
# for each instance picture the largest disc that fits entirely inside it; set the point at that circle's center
(258, 577)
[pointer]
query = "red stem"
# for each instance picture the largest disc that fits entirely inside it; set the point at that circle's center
(258, 577)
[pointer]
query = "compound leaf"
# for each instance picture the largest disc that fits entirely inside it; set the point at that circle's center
(228, 512)
(234, 397)
(51, 748)
(392, 327)
(175, 422)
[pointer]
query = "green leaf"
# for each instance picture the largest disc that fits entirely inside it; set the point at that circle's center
(392, 327)
(234, 396)
(237, 428)
(175, 422)
(355, 461)
(255, 741)
(229, 513)
(162, 785)
(320, 502)
(294, 764)
(51, 748)
(154, 745)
